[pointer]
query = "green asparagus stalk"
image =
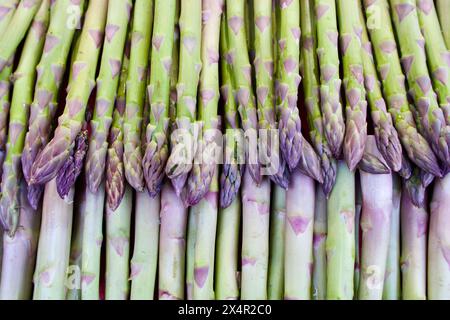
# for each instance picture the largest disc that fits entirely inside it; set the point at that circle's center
(330, 83)
(340, 243)
(180, 160)
(56, 152)
(190, 252)
(275, 285)
(17, 29)
(156, 152)
(50, 70)
(319, 274)
(377, 205)
(172, 245)
(386, 136)
(414, 224)
(135, 93)
(430, 116)
(145, 252)
(227, 250)
(205, 162)
(358, 231)
(310, 71)
(107, 82)
(443, 8)
(118, 224)
(438, 283)
(289, 123)
(298, 254)
(7, 9)
(392, 79)
(24, 77)
(392, 285)
(19, 253)
(53, 255)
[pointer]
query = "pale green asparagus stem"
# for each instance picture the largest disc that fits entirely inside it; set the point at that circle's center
(54, 245)
(19, 253)
(226, 283)
(190, 252)
(276, 245)
(136, 83)
(392, 284)
(298, 244)
(7, 9)
(340, 244)
(319, 275)
(439, 242)
(145, 252)
(443, 8)
(24, 77)
(414, 225)
(358, 209)
(118, 224)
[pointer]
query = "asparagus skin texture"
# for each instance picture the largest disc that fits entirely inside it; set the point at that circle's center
(17, 29)
(319, 273)
(438, 283)
(298, 252)
(387, 138)
(56, 152)
(135, 93)
(53, 256)
(414, 224)
(226, 284)
(355, 92)
(156, 152)
(205, 163)
(340, 243)
(330, 84)
(310, 71)
(191, 236)
(443, 8)
(107, 83)
(172, 245)
(50, 70)
(358, 232)
(118, 224)
(145, 252)
(275, 285)
(24, 77)
(392, 79)
(430, 117)
(180, 160)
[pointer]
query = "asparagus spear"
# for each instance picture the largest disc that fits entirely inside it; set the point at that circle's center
(430, 117)
(19, 253)
(358, 233)
(53, 256)
(319, 274)
(373, 161)
(242, 81)
(309, 163)
(438, 242)
(7, 9)
(376, 213)
(24, 77)
(190, 252)
(107, 82)
(180, 160)
(310, 71)
(356, 107)
(392, 286)
(203, 170)
(17, 29)
(298, 253)
(414, 224)
(56, 152)
(50, 70)
(289, 78)
(135, 93)
(275, 285)
(386, 136)
(156, 152)
(392, 79)
(340, 243)
(330, 84)
(443, 8)
(415, 189)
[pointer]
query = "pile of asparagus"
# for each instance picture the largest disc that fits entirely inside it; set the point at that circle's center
(225, 149)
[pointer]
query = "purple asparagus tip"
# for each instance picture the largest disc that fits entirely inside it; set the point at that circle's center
(281, 177)
(406, 169)
(34, 195)
(230, 182)
(415, 189)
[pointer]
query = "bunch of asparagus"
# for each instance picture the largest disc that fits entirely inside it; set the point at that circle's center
(256, 149)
